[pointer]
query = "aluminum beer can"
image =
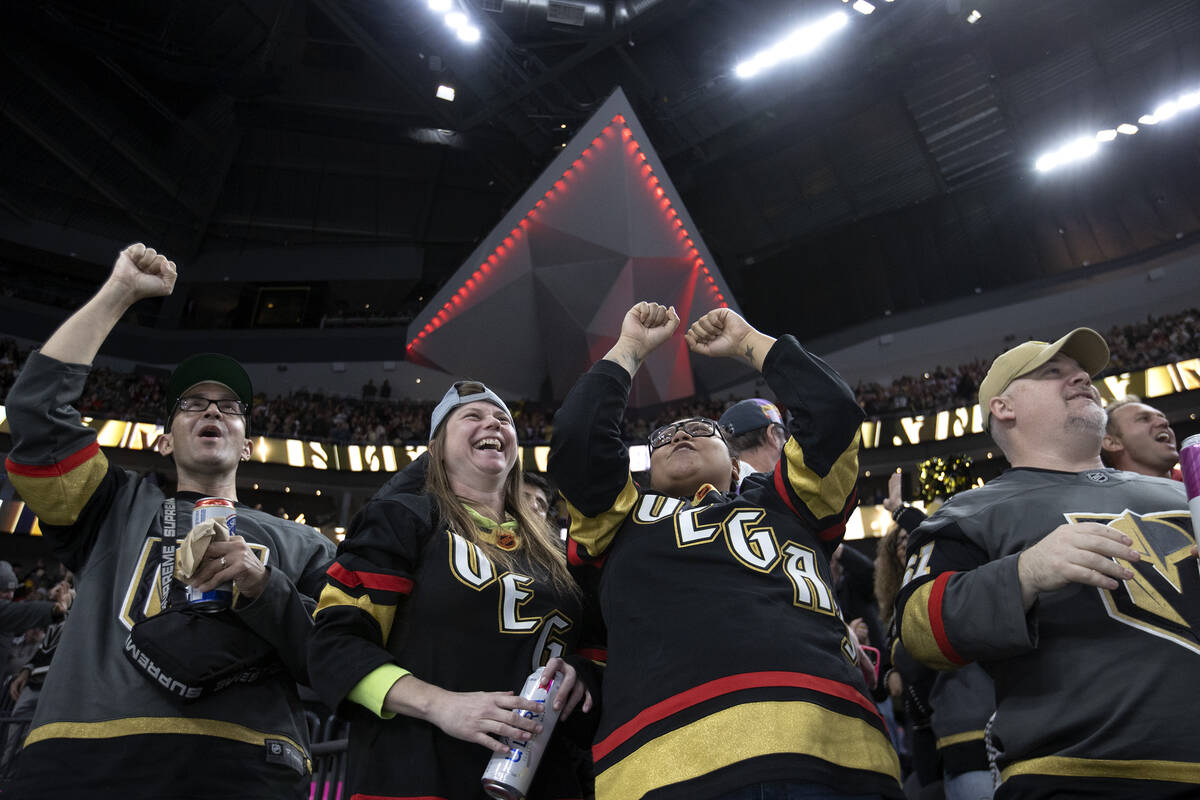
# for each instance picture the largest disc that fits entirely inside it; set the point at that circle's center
(1189, 464)
(509, 775)
(207, 508)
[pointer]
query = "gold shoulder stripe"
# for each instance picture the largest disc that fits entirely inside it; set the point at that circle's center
(331, 596)
(916, 631)
(58, 499)
(744, 732)
(595, 534)
(1147, 770)
(825, 497)
(960, 738)
(140, 726)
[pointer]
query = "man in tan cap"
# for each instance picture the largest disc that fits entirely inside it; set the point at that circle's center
(1061, 577)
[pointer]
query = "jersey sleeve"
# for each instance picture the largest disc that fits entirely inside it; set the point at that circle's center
(589, 462)
(56, 464)
(957, 604)
(817, 471)
(372, 575)
(282, 613)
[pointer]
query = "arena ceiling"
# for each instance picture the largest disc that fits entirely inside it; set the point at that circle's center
(888, 171)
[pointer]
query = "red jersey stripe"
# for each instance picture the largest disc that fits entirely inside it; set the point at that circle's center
(720, 686)
(54, 470)
(936, 623)
(371, 580)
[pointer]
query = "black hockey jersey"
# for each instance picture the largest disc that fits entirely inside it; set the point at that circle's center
(1095, 689)
(406, 590)
(728, 662)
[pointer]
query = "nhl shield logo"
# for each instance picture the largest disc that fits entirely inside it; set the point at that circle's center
(1098, 477)
(1163, 596)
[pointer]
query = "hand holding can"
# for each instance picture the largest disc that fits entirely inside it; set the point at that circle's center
(508, 776)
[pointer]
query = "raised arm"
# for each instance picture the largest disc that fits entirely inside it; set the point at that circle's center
(139, 272)
(55, 462)
(588, 460)
(645, 327)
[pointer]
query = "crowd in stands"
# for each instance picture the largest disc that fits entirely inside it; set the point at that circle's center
(379, 419)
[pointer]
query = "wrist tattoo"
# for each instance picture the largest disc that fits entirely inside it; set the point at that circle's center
(631, 362)
(749, 354)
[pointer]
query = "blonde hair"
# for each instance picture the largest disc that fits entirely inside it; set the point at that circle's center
(539, 541)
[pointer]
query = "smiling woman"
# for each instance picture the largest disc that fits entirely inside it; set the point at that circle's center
(448, 591)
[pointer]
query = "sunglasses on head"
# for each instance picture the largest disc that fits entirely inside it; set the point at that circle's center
(695, 428)
(468, 388)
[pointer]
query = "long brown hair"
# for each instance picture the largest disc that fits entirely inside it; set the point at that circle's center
(888, 571)
(538, 539)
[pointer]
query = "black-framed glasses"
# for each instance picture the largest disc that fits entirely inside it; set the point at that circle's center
(695, 428)
(198, 404)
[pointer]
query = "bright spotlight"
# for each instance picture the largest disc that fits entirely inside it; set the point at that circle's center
(863, 7)
(456, 19)
(1166, 110)
(445, 92)
(1127, 129)
(1148, 119)
(468, 33)
(1189, 101)
(439, 6)
(1106, 135)
(799, 42)
(974, 16)
(1075, 150)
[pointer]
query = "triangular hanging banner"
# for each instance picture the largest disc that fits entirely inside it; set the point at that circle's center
(599, 230)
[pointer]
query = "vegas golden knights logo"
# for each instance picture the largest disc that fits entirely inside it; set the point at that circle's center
(1163, 597)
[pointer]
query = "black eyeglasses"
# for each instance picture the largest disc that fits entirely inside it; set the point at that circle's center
(695, 428)
(199, 404)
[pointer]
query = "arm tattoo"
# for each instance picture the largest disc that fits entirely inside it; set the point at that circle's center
(632, 362)
(749, 354)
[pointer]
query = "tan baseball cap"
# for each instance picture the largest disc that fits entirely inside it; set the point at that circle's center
(1082, 344)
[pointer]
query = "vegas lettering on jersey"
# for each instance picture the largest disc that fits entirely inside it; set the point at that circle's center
(471, 567)
(753, 545)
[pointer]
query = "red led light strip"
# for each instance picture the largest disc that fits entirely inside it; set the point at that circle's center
(481, 274)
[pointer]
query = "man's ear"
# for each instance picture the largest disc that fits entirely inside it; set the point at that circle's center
(247, 449)
(165, 444)
(1001, 407)
(1111, 444)
(737, 469)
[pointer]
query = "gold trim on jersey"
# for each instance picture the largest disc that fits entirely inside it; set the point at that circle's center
(1151, 605)
(960, 738)
(824, 497)
(141, 726)
(382, 614)
(744, 732)
(58, 499)
(916, 631)
(595, 534)
(1129, 769)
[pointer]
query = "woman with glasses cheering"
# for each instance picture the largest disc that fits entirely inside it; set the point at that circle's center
(730, 672)
(447, 593)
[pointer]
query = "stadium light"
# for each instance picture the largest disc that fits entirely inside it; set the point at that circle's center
(468, 34)
(456, 19)
(440, 6)
(1085, 147)
(799, 42)
(863, 7)
(445, 92)
(974, 16)
(1075, 150)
